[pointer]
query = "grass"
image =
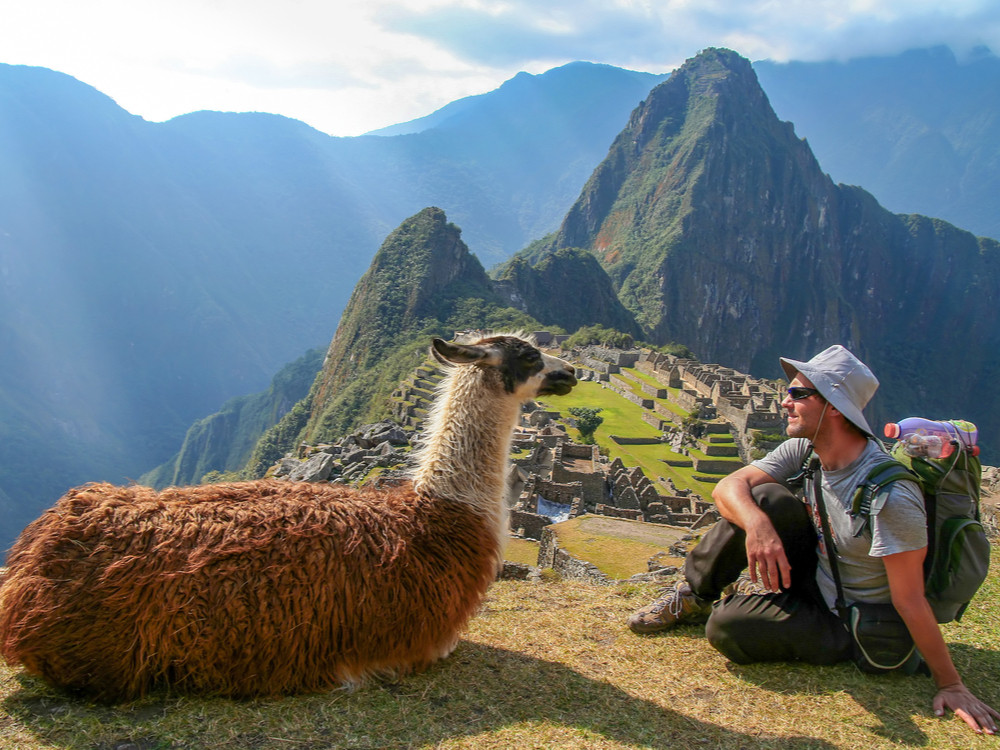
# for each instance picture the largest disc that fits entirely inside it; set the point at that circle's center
(639, 375)
(622, 417)
(522, 551)
(589, 538)
(547, 665)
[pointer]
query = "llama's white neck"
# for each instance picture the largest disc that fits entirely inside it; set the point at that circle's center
(464, 456)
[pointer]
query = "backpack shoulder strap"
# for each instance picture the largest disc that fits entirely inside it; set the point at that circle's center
(869, 496)
(806, 471)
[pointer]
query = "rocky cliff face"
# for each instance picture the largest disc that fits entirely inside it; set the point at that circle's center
(720, 230)
(566, 288)
(700, 203)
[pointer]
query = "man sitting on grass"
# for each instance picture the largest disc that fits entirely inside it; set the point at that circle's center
(777, 536)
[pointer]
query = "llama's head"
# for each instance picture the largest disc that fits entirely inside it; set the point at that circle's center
(516, 365)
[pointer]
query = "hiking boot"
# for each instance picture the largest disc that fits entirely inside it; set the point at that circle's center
(679, 607)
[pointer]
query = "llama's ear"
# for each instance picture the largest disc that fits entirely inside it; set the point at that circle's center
(456, 354)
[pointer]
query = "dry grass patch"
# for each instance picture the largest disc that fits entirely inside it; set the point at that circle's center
(544, 665)
(523, 551)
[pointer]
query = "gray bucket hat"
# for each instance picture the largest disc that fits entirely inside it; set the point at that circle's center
(842, 379)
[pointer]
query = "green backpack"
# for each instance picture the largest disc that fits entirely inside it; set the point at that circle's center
(958, 552)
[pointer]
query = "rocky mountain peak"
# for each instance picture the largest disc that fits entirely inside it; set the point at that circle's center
(719, 229)
(421, 271)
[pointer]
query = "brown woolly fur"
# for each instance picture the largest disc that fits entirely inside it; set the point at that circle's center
(270, 587)
(256, 588)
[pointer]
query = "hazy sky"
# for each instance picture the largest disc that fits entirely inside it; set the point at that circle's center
(349, 66)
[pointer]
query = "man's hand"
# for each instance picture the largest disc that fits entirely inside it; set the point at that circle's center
(980, 717)
(766, 559)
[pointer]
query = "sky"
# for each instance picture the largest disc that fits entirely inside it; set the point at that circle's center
(346, 67)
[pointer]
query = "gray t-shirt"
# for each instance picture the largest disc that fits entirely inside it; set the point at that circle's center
(900, 526)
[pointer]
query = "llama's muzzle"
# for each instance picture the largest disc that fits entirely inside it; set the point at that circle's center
(558, 382)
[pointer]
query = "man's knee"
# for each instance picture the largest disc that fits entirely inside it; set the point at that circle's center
(790, 518)
(777, 501)
(726, 631)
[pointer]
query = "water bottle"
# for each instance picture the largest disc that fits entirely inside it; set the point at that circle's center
(928, 438)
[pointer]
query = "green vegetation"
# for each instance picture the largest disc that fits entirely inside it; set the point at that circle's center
(759, 438)
(598, 334)
(217, 477)
(677, 350)
(282, 438)
(587, 420)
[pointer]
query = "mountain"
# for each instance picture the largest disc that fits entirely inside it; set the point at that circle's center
(150, 272)
(721, 231)
(920, 130)
(223, 441)
(568, 94)
(567, 288)
(422, 282)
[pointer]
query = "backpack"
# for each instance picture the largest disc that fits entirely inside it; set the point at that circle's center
(958, 552)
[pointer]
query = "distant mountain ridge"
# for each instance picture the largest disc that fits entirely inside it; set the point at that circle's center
(576, 88)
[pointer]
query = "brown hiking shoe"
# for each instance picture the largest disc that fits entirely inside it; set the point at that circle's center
(679, 607)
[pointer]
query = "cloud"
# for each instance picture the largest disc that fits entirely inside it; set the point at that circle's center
(514, 33)
(261, 72)
(656, 35)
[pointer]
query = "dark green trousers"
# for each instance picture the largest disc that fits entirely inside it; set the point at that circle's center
(792, 625)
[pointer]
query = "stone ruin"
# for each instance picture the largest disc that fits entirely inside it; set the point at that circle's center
(579, 478)
(745, 404)
(349, 460)
(633, 496)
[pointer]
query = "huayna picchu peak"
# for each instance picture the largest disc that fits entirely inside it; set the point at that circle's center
(720, 230)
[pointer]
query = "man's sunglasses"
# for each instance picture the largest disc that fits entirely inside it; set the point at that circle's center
(797, 392)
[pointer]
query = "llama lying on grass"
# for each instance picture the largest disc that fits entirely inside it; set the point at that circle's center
(271, 587)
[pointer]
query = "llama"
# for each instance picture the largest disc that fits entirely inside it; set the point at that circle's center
(269, 587)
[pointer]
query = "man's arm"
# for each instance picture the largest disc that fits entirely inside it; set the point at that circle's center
(906, 585)
(766, 559)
